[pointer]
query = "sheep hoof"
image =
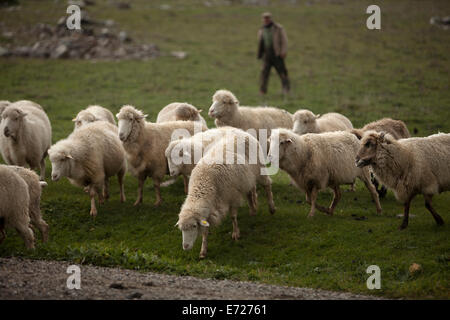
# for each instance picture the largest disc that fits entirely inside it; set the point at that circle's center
(138, 202)
(93, 213)
(202, 255)
(311, 215)
(272, 210)
(235, 236)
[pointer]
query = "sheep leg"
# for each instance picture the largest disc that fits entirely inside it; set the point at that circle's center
(366, 179)
(433, 212)
(106, 189)
(26, 233)
(405, 214)
(236, 233)
(267, 183)
(251, 203)
(204, 248)
(157, 185)
(42, 169)
(336, 197)
(92, 194)
(186, 184)
(312, 197)
(36, 219)
(140, 190)
(120, 177)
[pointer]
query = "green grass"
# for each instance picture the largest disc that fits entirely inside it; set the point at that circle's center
(335, 64)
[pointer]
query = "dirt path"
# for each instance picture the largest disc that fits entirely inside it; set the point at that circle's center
(36, 279)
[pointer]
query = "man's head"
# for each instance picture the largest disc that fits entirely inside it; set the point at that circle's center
(267, 18)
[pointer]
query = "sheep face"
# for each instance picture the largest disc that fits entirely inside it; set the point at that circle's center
(190, 228)
(127, 117)
(278, 146)
(83, 118)
(12, 119)
(304, 122)
(368, 149)
(61, 165)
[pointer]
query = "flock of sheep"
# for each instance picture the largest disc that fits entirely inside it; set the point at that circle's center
(317, 151)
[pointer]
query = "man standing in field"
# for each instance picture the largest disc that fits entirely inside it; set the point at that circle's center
(272, 48)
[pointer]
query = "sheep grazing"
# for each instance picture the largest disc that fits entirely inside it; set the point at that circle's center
(307, 122)
(409, 166)
(227, 112)
(15, 205)
(91, 114)
(318, 161)
(396, 128)
(88, 158)
(180, 111)
(25, 135)
(182, 155)
(34, 189)
(145, 144)
(214, 190)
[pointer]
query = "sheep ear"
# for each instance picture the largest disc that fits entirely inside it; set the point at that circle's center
(204, 223)
(199, 110)
(318, 116)
(381, 136)
(117, 115)
(356, 133)
(176, 224)
(21, 113)
(74, 119)
(143, 116)
(69, 156)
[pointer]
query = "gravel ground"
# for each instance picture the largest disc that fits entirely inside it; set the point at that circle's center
(36, 279)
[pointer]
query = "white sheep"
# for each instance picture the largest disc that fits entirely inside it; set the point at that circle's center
(227, 112)
(14, 206)
(409, 166)
(91, 114)
(145, 144)
(183, 154)
(35, 190)
(317, 161)
(180, 111)
(396, 128)
(25, 135)
(88, 158)
(307, 122)
(214, 190)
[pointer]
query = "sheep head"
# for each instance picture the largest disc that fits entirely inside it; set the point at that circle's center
(12, 118)
(128, 116)
(224, 104)
(305, 122)
(83, 117)
(61, 159)
(190, 222)
(369, 145)
(280, 141)
(187, 112)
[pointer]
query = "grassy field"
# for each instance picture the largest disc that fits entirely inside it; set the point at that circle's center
(335, 64)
